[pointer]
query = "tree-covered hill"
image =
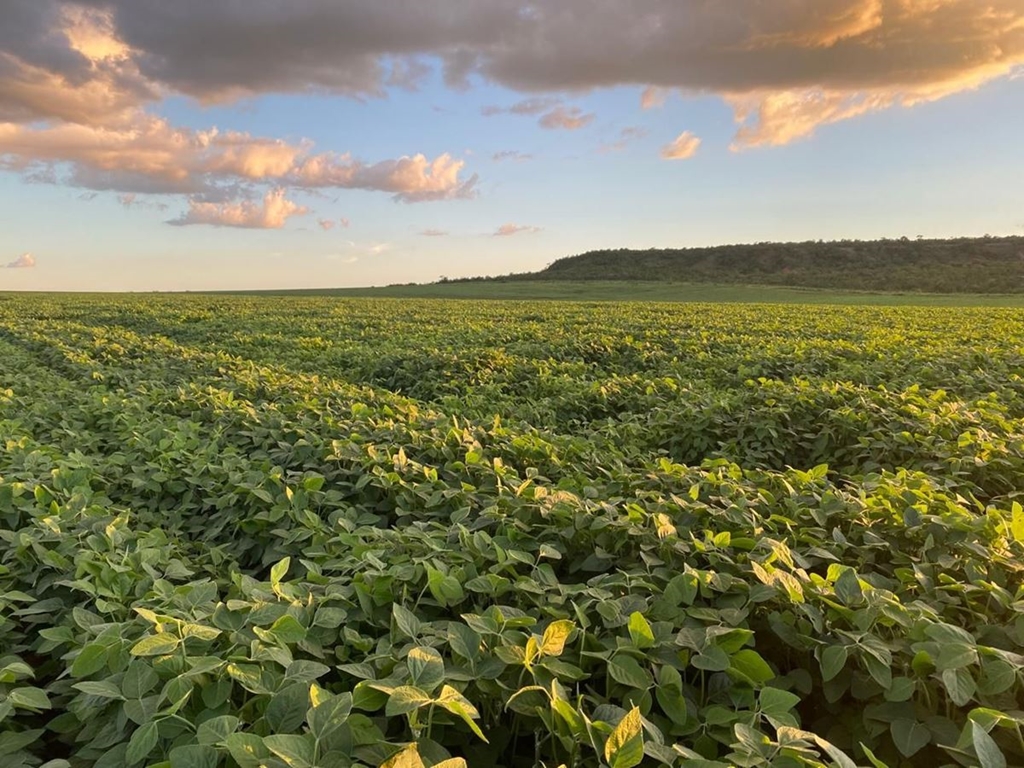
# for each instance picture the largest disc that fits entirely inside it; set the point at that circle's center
(965, 265)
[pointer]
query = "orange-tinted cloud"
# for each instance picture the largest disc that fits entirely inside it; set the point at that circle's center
(272, 213)
(25, 261)
(507, 230)
(151, 156)
(652, 97)
(434, 233)
(683, 147)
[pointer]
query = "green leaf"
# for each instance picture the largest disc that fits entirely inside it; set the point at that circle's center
(572, 718)
(880, 672)
(626, 670)
(406, 698)
(464, 641)
(711, 659)
(250, 676)
(985, 747)
(295, 751)
(287, 708)
(909, 736)
(406, 621)
(142, 742)
(329, 714)
(313, 483)
(752, 665)
(305, 671)
(640, 631)
(959, 685)
(248, 750)
(91, 659)
(902, 689)
(138, 680)
(955, 656)
(446, 589)
(155, 645)
(997, 676)
(12, 741)
(672, 703)
(848, 588)
(681, 590)
(217, 729)
(102, 688)
(947, 634)
(625, 745)
(775, 702)
(285, 631)
(426, 668)
(194, 756)
(555, 637)
(29, 697)
(833, 659)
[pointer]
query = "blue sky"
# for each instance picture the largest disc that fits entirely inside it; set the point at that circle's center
(937, 157)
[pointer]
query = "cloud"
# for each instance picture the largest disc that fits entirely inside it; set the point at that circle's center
(652, 97)
(627, 135)
(329, 224)
(878, 53)
(534, 106)
(151, 156)
(507, 230)
(434, 233)
(511, 154)
(566, 118)
(683, 147)
(787, 68)
(413, 179)
(554, 113)
(131, 200)
(25, 261)
(272, 213)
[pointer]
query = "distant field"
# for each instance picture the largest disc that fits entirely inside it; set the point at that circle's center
(622, 290)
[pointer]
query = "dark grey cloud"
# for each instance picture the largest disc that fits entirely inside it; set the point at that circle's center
(785, 66)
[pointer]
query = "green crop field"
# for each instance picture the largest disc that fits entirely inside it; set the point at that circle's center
(320, 532)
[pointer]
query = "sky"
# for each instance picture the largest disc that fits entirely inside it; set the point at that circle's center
(217, 144)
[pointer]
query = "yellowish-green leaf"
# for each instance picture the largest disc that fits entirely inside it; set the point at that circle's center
(625, 745)
(555, 637)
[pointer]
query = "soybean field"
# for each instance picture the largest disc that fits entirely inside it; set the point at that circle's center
(321, 532)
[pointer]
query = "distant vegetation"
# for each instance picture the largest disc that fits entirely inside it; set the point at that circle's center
(965, 265)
